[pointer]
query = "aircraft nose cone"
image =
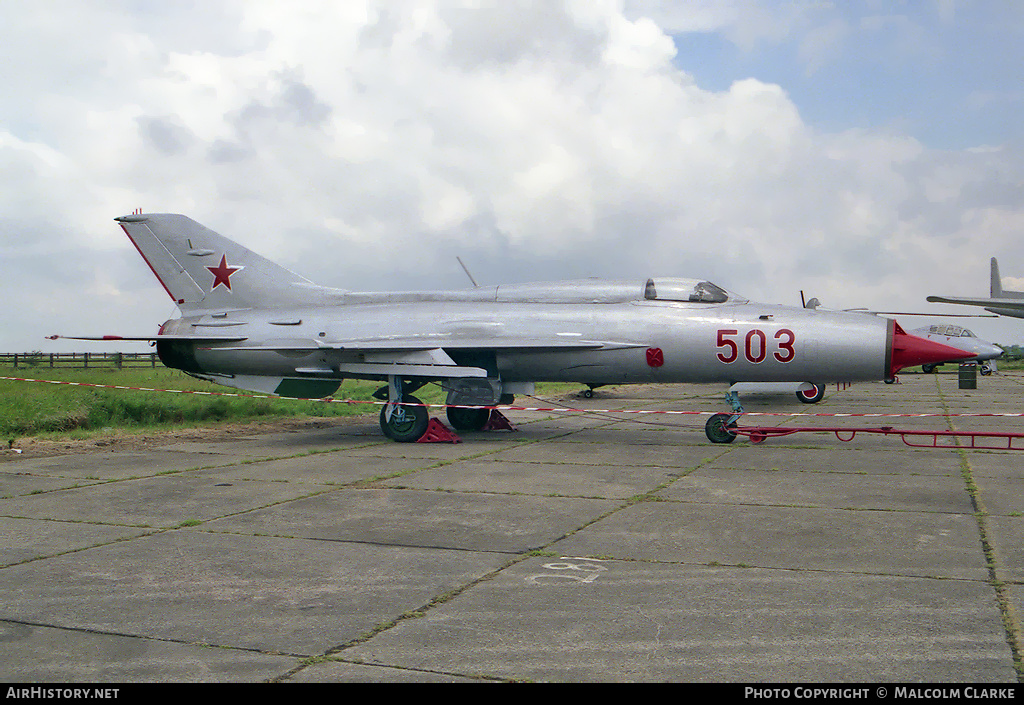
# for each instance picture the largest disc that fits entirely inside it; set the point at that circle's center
(910, 350)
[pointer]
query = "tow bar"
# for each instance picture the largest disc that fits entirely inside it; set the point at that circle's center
(976, 439)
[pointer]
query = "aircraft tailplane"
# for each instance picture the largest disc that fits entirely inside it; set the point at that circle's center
(202, 270)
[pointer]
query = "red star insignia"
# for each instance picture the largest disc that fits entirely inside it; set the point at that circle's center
(222, 273)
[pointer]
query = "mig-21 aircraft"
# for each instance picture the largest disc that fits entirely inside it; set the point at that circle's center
(250, 324)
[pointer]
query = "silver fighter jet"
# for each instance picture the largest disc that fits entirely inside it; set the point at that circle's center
(985, 353)
(251, 324)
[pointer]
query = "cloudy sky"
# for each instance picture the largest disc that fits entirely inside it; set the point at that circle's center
(868, 153)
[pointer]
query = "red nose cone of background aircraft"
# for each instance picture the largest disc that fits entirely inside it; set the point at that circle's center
(910, 350)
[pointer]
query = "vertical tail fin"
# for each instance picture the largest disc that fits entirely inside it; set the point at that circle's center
(202, 270)
(996, 285)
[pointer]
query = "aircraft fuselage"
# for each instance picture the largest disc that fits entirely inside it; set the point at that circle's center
(632, 342)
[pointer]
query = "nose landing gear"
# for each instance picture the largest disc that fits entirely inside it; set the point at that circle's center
(717, 429)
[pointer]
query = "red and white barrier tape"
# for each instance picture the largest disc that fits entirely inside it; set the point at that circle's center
(505, 407)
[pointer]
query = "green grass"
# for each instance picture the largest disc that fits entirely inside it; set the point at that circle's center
(35, 408)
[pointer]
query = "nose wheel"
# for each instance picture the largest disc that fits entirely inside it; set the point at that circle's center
(717, 429)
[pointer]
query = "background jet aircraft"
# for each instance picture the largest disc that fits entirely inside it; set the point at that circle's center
(1002, 302)
(249, 323)
(960, 337)
(810, 393)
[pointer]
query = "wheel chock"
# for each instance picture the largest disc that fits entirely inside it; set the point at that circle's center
(437, 432)
(498, 422)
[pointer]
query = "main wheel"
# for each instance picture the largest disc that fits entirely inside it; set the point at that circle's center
(717, 429)
(463, 419)
(811, 396)
(408, 422)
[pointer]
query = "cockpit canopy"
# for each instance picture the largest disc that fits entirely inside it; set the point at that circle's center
(689, 290)
(951, 331)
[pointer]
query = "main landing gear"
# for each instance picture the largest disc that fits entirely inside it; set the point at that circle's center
(466, 419)
(407, 422)
(985, 368)
(403, 418)
(811, 396)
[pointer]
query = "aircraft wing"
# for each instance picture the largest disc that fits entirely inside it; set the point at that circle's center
(375, 344)
(418, 356)
(1013, 304)
(815, 304)
(414, 356)
(431, 342)
(151, 338)
(930, 314)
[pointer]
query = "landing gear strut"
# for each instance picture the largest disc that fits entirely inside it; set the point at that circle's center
(717, 427)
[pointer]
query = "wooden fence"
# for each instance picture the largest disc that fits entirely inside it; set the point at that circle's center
(85, 360)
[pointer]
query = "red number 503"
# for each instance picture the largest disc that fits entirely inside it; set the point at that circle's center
(755, 345)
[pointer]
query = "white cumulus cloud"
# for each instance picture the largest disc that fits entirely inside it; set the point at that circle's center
(367, 144)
